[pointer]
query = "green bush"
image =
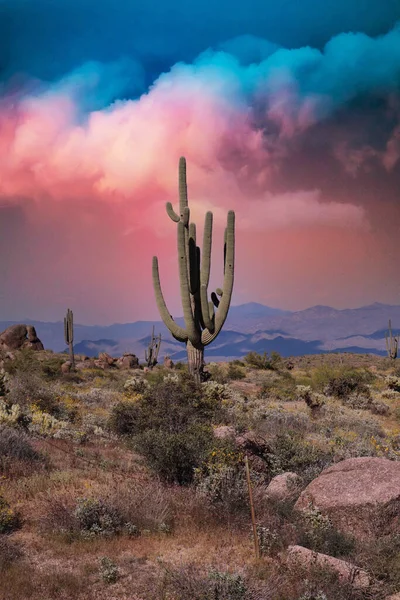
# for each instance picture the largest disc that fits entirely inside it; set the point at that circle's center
(97, 517)
(15, 444)
(190, 582)
(290, 451)
(317, 533)
(221, 479)
(236, 371)
(167, 406)
(108, 570)
(342, 381)
(9, 519)
(174, 456)
(258, 361)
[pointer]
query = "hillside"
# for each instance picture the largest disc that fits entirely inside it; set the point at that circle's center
(129, 485)
(249, 327)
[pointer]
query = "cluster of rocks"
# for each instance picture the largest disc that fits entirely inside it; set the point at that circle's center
(360, 496)
(17, 337)
(127, 361)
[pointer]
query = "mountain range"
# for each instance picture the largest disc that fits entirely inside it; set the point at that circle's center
(249, 327)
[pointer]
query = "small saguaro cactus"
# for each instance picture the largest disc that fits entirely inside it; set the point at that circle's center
(69, 335)
(202, 322)
(151, 353)
(392, 342)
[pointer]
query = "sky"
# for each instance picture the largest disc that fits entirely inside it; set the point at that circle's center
(287, 111)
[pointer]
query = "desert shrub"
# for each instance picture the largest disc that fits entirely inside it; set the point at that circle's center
(290, 451)
(124, 509)
(217, 372)
(9, 519)
(221, 479)
(342, 381)
(167, 406)
(275, 420)
(313, 400)
(269, 540)
(12, 414)
(9, 552)
(135, 385)
(255, 360)
(381, 558)
(170, 426)
(25, 361)
(108, 570)
(393, 382)
(236, 371)
(97, 517)
(175, 456)
(124, 418)
(214, 393)
(188, 581)
(15, 444)
(51, 367)
(317, 532)
(281, 388)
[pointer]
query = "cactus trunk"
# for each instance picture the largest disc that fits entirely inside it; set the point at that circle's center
(69, 335)
(71, 355)
(392, 343)
(195, 355)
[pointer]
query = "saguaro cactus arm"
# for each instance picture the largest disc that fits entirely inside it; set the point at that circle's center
(208, 336)
(191, 329)
(178, 332)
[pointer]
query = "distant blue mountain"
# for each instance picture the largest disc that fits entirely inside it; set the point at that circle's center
(249, 327)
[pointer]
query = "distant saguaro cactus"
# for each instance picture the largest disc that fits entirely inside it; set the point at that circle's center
(151, 353)
(392, 343)
(69, 335)
(202, 322)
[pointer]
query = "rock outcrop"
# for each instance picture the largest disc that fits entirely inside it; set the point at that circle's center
(347, 572)
(20, 336)
(361, 496)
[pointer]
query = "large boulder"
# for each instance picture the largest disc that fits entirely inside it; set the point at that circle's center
(128, 361)
(20, 336)
(106, 359)
(361, 496)
(346, 572)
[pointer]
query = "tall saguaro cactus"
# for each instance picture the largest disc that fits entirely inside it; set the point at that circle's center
(203, 318)
(151, 353)
(69, 335)
(392, 342)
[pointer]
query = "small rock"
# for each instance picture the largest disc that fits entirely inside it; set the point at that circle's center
(66, 367)
(283, 487)
(168, 364)
(224, 431)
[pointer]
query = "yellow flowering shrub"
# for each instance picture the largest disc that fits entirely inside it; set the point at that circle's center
(9, 519)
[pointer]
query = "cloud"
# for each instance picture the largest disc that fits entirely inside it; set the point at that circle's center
(302, 209)
(94, 153)
(60, 140)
